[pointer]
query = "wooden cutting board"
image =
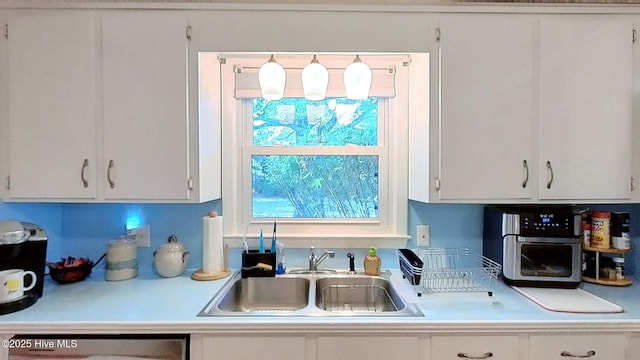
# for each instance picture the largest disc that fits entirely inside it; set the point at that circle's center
(568, 300)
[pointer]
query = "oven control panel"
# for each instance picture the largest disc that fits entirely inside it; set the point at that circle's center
(559, 224)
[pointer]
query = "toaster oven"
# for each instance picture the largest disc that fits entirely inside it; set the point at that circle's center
(537, 246)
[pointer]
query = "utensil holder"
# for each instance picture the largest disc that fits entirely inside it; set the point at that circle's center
(253, 258)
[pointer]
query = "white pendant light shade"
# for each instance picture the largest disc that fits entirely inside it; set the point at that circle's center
(315, 80)
(272, 78)
(357, 80)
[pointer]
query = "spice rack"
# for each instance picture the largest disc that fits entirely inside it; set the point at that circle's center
(626, 281)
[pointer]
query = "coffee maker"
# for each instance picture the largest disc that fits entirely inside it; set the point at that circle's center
(23, 246)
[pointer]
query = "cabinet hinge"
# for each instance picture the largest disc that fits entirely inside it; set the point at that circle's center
(190, 183)
(633, 185)
(437, 34)
(6, 31)
(634, 36)
(437, 184)
(188, 32)
(9, 182)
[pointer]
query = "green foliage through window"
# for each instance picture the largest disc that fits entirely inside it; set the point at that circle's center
(340, 186)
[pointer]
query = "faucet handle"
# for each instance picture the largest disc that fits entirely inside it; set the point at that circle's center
(352, 266)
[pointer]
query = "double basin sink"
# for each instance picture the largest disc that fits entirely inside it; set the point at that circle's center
(313, 294)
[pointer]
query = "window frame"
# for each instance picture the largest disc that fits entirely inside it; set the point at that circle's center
(388, 230)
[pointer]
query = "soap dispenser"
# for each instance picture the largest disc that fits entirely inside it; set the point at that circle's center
(372, 263)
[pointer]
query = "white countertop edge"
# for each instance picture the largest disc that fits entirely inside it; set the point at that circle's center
(329, 326)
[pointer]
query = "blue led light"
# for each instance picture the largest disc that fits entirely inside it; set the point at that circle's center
(134, 219)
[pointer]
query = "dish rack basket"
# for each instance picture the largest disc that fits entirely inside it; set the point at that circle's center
(455, 270)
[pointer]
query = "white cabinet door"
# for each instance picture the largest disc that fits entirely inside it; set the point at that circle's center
(585, 109)
(487, 110)
(372, 347)
(563, 347)
(252, 347)
(4, 112)
(494, 347)
(146, 129)
(52, 111)
(633, 346)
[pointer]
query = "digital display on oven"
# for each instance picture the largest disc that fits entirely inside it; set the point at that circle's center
(547, 223)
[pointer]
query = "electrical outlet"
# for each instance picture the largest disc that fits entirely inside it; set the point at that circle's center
(141, 234)
(423, 235)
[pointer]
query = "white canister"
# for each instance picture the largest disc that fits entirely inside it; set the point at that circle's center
(122, 259)
(171, 258)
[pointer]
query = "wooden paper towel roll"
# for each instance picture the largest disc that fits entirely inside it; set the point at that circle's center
(212, 244)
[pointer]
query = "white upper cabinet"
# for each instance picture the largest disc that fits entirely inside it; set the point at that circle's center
(52, 107)
(99, 110)
(146, 127)
(487, 110)
(585, 109)
(4, 110)
(531, 108)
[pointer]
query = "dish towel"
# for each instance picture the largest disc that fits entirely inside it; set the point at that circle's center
(568, 300)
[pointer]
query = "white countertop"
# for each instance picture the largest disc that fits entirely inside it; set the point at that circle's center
(149, 304)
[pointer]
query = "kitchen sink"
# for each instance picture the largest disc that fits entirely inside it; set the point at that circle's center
(357, 294)
(266, 294)
(316, 294)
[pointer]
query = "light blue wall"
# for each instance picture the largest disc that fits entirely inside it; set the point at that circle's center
(452, 225)
(86, 229)
(49, 216)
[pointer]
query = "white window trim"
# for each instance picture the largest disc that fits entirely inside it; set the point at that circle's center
(391, 229)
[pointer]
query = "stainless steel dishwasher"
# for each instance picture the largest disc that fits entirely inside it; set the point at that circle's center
(98, 347)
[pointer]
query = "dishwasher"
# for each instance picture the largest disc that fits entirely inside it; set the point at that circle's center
(97, 347)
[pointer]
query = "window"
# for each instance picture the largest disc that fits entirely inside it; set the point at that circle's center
(331, 169)
(314, 159)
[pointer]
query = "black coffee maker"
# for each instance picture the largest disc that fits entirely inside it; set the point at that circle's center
(23, 246)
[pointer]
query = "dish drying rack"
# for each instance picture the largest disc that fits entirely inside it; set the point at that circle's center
(448, 270)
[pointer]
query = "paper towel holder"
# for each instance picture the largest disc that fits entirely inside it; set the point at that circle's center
(200, 275)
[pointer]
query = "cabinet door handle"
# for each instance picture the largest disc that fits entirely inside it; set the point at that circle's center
(111, 183)
(526, 173)
(589, 354)
(85, 164)
(550, 174)
(483, 356)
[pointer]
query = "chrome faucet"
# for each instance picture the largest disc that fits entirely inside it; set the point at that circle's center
(314, 260)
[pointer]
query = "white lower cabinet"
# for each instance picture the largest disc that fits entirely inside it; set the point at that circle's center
(493, 347)
(376, 347)
(347, 346)
(633, 346)
(579, 346)
(251, 347)
(403, 346)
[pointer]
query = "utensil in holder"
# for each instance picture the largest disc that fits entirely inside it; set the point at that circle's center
(257, 264)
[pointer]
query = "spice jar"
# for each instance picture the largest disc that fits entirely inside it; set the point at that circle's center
(586, 234)
(619, 263)
(600, 225)
(620, 230)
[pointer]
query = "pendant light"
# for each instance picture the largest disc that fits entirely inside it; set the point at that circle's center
(357, 80)
(315, 79)
(272, 78)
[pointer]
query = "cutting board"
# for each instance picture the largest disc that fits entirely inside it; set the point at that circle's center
(568, 300)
